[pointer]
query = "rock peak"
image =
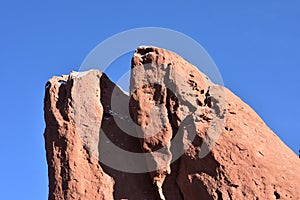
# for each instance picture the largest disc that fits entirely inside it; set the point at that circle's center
(176, 135)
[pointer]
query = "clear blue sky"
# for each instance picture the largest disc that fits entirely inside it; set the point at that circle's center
(255, 44)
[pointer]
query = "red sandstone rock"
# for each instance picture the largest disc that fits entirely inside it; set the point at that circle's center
(73, 172)
(197, 140)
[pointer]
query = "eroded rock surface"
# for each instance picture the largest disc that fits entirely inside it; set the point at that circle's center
(192, 139)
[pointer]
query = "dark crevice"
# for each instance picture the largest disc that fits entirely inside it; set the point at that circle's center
(158, 96)
(277, 195)
(171, 188)
(219, 194)
(213, 103)
(47, 85)
(143, 51)
(172, 105)
(50, 119)
(63, 96)
(228, 129)
(199, 103)
(207, 100)
(229, 195)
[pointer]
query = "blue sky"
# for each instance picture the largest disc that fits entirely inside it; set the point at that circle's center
(255, 45)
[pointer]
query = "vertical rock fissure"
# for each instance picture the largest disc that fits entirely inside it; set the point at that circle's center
(172, 118)
(115, 108)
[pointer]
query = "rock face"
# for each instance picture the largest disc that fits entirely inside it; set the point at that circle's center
(176, 135)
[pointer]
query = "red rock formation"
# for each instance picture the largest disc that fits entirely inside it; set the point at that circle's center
(190, 139)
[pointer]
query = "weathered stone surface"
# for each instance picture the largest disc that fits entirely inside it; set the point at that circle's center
(165, 92)
(76, 107)
(73, 172)
(200, 141)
